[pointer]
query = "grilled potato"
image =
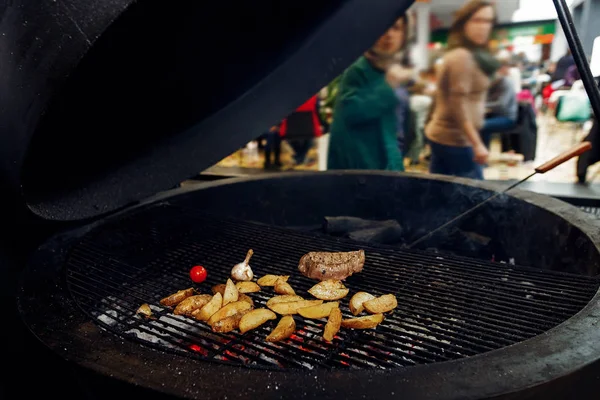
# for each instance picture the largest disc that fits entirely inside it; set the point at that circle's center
(145, 311)
(368, 322)
(228, 324)
(333, 324)
(214, 305)
(246, 298)
(283, 299)
(177, 298)
(192, 303)
(356, 302)
(381, 304)
(293, 306)
(284, 329)
(269, 280)
(331, 289)
(282, 287)
(220, 288)
(229, 310)
(320, 311)
(255, 318)
(247, 287)
(231, 293)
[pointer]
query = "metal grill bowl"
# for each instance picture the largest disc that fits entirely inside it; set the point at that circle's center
(466, 327)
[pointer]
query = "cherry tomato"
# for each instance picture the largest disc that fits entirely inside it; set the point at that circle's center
(198, 274)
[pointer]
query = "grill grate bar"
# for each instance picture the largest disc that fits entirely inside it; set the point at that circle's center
(167, 330)
(506, 311)
(449, 307)
(426, 344)
(555, 280)
(533, 332)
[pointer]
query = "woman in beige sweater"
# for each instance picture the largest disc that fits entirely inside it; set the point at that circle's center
(463, 82)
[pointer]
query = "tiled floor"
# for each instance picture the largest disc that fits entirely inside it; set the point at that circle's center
(553, 138)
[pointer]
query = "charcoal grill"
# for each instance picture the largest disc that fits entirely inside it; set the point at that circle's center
(467, 314)
(102, 116)
(450, 307)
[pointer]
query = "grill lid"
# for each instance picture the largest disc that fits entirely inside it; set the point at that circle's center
(108, 103)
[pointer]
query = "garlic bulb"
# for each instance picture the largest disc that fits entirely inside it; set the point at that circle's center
(242, 271)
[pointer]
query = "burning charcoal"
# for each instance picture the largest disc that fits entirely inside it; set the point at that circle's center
(344, 225)
(389, 232)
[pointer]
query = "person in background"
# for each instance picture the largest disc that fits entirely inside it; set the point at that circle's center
(301, 128)
(420, 105)
(502, 106)
(428, 78)
(572, 75)
(364, 132)
(514, 73)
(463, 81)
(273, 146)
(526, 96)
(562, 66)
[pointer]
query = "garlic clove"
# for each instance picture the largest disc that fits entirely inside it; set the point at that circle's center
(242, 271)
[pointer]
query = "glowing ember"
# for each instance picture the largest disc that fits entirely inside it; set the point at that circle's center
(198, 349)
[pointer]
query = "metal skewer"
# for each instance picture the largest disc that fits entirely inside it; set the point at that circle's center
(542, 169)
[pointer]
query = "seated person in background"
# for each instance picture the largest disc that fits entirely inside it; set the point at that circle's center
(526, 96)
(502, 107)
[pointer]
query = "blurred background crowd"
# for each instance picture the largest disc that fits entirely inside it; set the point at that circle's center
(476, 89)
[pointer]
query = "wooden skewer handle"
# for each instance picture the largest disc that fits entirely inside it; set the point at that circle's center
(564, 157)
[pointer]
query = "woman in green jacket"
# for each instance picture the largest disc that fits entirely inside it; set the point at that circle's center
(364, 133)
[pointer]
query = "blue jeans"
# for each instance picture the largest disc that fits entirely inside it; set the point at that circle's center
(454, 161)
(496, 124)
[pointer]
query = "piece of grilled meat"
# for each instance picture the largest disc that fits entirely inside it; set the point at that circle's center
(324, 265)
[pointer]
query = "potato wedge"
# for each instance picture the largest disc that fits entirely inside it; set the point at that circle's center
(269, 280)
(145, 311)
(255, 318)
(220, 288)
(228, 324)
(381, 304)
(333, 324)
(283, 299)
(247, 287)
(292, 307)
(282, 287)
(356, 302)
(214, 305)
(177, 298)
(192, 303)
(331, 289)
(246, 298)
(229, 310)
(320, 311)
(368, 322)
(284, 329)
(231, 293)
